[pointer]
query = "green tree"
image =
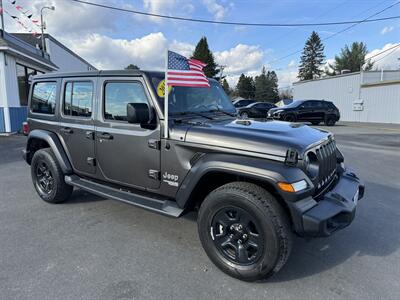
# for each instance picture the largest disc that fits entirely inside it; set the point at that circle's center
(226, 87)
(272, 91)
(132, 67)
(312, 58)
(351, 58)
(245, 87)
(266, 86)
(203, 53)
(261, 85)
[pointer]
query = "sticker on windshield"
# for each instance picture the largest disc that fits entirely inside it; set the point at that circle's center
(161, 89)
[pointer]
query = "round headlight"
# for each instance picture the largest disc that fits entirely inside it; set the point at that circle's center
(312, 164)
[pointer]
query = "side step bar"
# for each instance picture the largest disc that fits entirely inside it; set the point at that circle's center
(165, 207)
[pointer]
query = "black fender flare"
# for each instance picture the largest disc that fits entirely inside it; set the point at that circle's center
(259, 169)
(54, 142)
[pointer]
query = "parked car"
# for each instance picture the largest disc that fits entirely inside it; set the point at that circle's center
(255, 110)
(314, 111)
(243, 102)
(253, 183)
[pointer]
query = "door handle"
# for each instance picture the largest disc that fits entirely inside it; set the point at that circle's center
(67, 130)
(106, 136)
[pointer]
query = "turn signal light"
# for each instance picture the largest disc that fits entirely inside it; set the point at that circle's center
(293, 187)
(286, 187)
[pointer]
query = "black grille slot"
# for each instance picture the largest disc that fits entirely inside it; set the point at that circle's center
(326, 154)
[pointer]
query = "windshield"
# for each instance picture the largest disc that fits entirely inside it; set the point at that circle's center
(184, 100)
(293, 104)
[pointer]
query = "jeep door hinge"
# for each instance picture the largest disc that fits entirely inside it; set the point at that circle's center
(154, 144)
(91, 161)
(155, 174)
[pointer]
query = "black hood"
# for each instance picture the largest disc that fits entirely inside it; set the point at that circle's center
(270, 137)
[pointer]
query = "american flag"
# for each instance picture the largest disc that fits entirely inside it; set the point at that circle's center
(182, 71)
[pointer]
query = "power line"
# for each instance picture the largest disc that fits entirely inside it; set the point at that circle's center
(391, 48)
(368, 19)
(233, 23)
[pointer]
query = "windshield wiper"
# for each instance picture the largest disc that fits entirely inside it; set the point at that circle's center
(217, 109)
(185, 113)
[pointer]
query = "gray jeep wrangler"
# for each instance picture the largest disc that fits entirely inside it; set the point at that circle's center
(254, 184)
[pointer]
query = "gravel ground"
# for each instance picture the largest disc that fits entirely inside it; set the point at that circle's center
(94, 248)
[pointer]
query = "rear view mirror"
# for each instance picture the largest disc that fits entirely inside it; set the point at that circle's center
(138, 113)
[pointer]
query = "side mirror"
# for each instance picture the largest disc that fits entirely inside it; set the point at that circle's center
(138, 113)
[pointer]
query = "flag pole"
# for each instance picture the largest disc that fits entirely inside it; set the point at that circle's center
(166, 97)
(2, 18)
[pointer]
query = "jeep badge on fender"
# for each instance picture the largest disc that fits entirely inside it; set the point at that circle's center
(254, 184)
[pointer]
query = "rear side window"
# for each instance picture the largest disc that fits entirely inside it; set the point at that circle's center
(44, 98)
(78, 99)
(118, 94)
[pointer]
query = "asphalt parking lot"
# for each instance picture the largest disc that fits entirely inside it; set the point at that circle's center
(95, 248)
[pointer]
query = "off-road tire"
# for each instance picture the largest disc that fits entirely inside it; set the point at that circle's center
(266, 211)
(289, 118)
(60, 191)
(330, 121)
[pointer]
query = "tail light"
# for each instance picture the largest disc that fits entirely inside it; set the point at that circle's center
(25, 128)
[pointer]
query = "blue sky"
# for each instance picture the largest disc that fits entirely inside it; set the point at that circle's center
(113, 39)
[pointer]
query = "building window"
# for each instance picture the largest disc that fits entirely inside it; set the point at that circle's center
(118, 94)
(44, 98)
(78, 99)
(23, 77)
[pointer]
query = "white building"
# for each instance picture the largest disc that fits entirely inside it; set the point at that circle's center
(372, 96)
(20, 58)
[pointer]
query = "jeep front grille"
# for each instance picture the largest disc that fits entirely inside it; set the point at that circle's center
(326, 154)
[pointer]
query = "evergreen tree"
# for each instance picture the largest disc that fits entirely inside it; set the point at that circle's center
(261, 85)
(312, 58)
(266, 86)
(204, 54)
(245, 87)
(351, 58)
(226, 87)
(272, 91)
(132, 67)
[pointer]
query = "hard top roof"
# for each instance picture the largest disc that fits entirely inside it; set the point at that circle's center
(113, 73)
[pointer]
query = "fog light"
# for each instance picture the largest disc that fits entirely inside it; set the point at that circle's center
(293, 187)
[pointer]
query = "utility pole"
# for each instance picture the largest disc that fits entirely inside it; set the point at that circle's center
(221, 69)
(2, 18)
(43, 26)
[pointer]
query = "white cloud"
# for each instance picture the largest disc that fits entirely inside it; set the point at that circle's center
(292, 63)
(164, 7)
(240, 59)
(387, 29)
(69, 18)
(106, 53)
(216, 9)
(184, 49)
(388, 60)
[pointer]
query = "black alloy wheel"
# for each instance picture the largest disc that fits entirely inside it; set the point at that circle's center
(244, 231)
(244, 115)
(48, 178)
(44, 178)
(289, 118)
(237, 235)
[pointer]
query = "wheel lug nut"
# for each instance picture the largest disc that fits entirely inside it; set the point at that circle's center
(231, 236)
(239, 241)
(244, 236)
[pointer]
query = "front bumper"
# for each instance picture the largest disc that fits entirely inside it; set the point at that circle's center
(330, 212)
